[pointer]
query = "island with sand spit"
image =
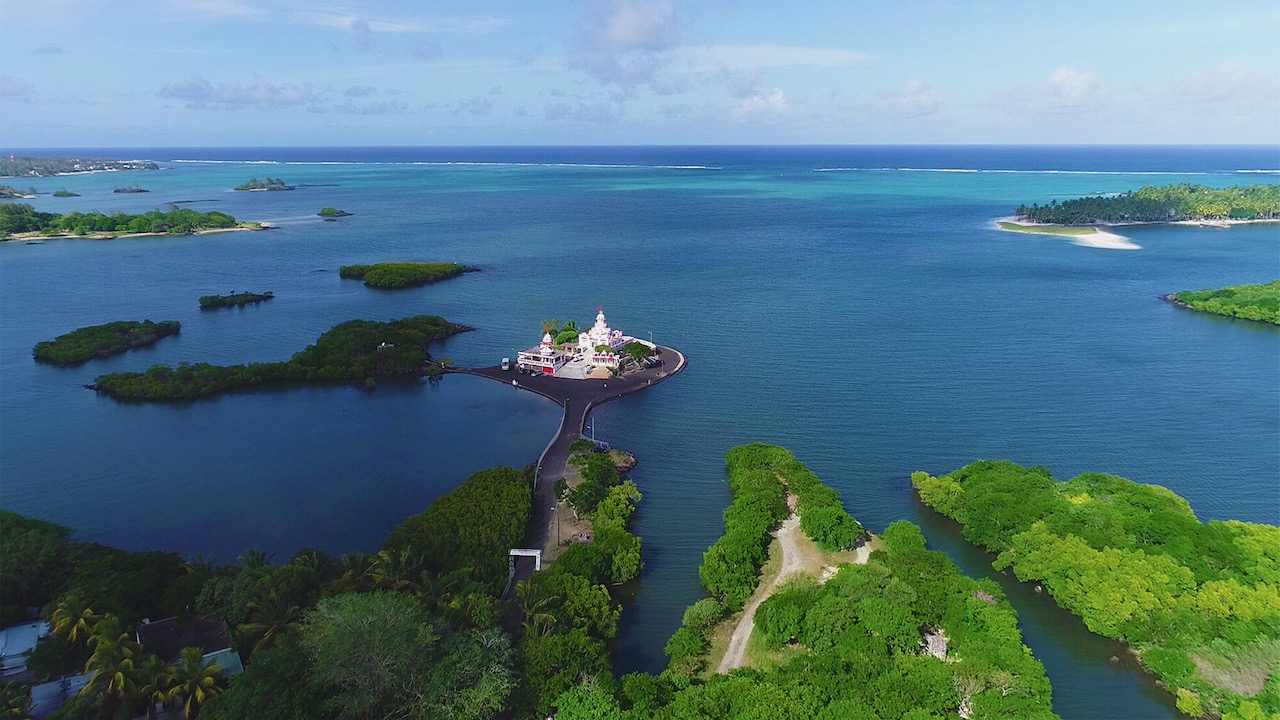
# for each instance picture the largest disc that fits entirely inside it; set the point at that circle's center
(20, 221)
(1083, 219)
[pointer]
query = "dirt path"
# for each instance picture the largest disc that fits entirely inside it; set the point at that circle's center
(792, 562)
(798, 556)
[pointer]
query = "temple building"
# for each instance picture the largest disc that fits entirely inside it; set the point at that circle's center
(598, 347)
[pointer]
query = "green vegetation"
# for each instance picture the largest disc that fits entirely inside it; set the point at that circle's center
(1169, 203)
(64, 193)
(637, 351)
(22, 218)
(98, 341)
(352, 351)
(235, 299)
(1250, 302)
(333, 213)
(396, 275)
(567, 612)
(268, 184)
(850, 648)
(8, 192)
(1198, 602)
(1046, 229)
(471, 528)
(49, 166)
(132, 189)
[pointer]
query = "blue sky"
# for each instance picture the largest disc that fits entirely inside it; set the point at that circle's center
(77, 73)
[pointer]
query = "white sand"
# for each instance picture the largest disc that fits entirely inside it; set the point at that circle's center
(1097, 239)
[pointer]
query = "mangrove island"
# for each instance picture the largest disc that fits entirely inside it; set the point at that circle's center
(354, 350)
(130, 190)
(98, 341)
(1248, 302)
(1198, 603)
(331, 213)
(21, 220)
(234, 299)
(254, 184)
(396, 275)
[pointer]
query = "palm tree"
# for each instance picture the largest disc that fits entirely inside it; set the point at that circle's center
(156, 680)
(353, 574)
(256, 561)
(73, 618)
(195, 684)
(15, 702)
(112, 661)
(272, 616)
(537, 621)
(394, 570)
(551, 326)
(201, 567)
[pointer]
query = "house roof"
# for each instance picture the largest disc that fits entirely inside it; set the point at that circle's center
(166, 638)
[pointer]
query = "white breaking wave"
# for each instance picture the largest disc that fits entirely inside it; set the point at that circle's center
(1261, 172)
(1022, 172)
(446, 163)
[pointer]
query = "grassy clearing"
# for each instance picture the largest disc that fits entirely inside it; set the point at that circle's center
(1241, 670)
(1047, 229)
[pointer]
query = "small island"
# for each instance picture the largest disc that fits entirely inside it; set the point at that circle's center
(1166, 204)
(98, 341)
(1248, 302)
(65, 193)
(9, 192)
(130, 190)
(50, 166)
(397, 275)
(357, 350)
(1180, 204)
(1197, 603)
(20, 221)
(234, 299)
(270, 184)
(332, 213)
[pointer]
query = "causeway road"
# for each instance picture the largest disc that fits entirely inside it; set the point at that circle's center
(577, 397)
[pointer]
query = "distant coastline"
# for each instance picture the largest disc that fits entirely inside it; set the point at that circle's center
(1086, 235)
(29, 236)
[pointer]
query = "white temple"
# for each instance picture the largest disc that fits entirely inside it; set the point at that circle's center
(597, 347)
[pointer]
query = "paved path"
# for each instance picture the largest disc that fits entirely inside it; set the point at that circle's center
(577, 397)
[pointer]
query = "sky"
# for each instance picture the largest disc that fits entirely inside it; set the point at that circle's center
(182, 73)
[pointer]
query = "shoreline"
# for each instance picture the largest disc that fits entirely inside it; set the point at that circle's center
(28, 237)
(1099, 238)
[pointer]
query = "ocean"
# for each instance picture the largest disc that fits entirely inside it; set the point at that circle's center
(854, 304)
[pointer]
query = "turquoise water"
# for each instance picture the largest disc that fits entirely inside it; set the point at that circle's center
(868, 318)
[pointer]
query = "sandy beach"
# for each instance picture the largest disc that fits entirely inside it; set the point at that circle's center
(114, 236)
(1099, 238)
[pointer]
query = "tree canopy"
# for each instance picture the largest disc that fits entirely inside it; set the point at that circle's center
(1168, 203)
(1198, 602)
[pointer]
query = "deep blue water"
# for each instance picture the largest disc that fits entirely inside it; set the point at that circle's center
(852, 304)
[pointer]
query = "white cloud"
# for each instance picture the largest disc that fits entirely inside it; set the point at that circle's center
(358, 91)
(427, 50)
(477, 105)
(218, 8)
(600, 113)
(362, 34)
(48, 49)
(1070, 88)
(760, 108)
(199, 93)
(626, 42)
(13, 89)
(348, 21)
(1235, 87)
(917, 99)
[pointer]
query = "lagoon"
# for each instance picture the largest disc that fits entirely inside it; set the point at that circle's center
(855, 305)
